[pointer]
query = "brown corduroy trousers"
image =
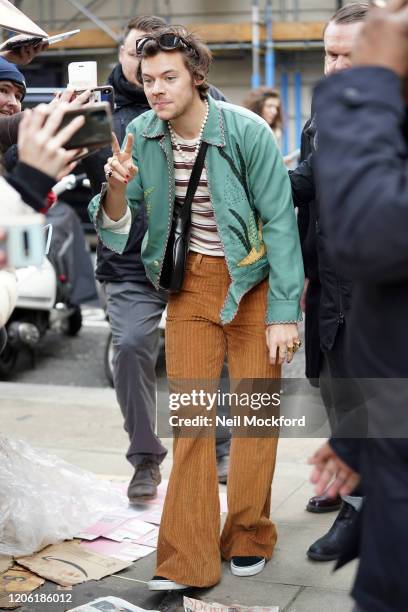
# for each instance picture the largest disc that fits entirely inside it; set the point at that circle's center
(190, 547)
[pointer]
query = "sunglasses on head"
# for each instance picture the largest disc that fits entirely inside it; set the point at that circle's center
(166, 42)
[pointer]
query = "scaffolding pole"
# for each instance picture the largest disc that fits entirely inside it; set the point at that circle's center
(98, 22)
(74, 18)
(269, 53)
(298, 106)
(256, 75)
(285, 106)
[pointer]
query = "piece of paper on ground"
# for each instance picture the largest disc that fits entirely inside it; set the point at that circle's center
(14, 581)
(100, 528)
(116, 605)
(126, 551)
(193, 605)
(69, 563)
(129, 530)
(150, 539)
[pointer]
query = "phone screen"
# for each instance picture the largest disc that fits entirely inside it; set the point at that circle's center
(101, 94)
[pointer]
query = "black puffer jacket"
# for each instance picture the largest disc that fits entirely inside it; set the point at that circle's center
(335, 291)
(130, 102)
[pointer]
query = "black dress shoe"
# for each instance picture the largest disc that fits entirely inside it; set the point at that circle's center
(144, 483)
(322, 503)
(329, 547)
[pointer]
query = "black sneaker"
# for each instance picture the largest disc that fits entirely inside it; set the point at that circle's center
(247, 566)
(144, 483)
(158, 583)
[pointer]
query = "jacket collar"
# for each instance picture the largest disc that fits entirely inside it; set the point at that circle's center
(213, 131)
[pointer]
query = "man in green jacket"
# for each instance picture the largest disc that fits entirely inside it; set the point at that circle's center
(240, 296)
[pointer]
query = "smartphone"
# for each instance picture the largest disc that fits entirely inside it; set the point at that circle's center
(82, 75)
(14, 45)
(97, 129)
(24, 40)
(63, 36)
(101, 94)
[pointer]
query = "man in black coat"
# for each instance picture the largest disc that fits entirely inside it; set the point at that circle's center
(328, 295)
(362, 170)
(134, 306)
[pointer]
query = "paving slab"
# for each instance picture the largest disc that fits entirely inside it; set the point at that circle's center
(84, 426)
(312, 599)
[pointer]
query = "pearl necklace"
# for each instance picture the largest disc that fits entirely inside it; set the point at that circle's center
(200, 136)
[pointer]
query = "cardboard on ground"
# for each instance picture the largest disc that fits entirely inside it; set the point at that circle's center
(12, 18)
(69, 563)
(16, 580)
(126, 551)
(5, 563)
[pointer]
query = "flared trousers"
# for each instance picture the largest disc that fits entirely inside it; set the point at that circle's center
(190, 547)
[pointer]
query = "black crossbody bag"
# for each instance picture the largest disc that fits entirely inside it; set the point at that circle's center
(174, 263)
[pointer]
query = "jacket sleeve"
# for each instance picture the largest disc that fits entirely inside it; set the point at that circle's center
(32, 184)
(134, 199)
(362, 173)
(349, 450)
(303, 185)
(303, 192)
(270, 187)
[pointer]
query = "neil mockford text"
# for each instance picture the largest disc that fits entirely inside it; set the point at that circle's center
(210, 401)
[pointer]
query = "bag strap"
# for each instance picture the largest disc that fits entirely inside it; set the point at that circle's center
(193, 182)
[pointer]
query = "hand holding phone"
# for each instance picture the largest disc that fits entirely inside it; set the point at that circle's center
(103, 93)
(42, 140)
(22, 49)
(96, 130)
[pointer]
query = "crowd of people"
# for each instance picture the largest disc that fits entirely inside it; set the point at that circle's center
(264, 244)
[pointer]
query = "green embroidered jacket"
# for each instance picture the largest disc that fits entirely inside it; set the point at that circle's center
(251, 195)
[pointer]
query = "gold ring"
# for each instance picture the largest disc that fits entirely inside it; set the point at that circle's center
(290, 349)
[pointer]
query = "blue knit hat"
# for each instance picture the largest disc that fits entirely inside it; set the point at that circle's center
(10, 72)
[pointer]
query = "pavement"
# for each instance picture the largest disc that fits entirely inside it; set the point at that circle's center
(83, 425)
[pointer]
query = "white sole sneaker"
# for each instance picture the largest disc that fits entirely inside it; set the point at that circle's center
(165, 585)
(250, 570)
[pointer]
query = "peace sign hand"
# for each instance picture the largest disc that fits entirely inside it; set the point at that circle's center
(120, 169)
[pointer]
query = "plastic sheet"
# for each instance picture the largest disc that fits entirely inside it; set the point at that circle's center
(45, 500)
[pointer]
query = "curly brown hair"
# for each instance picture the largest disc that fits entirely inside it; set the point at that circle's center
(197, 56)
(255, 101)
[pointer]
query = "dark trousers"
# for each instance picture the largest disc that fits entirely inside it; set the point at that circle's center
(134, 311)
(342, 396)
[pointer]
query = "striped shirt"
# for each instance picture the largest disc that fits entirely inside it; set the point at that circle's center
(204, 236)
